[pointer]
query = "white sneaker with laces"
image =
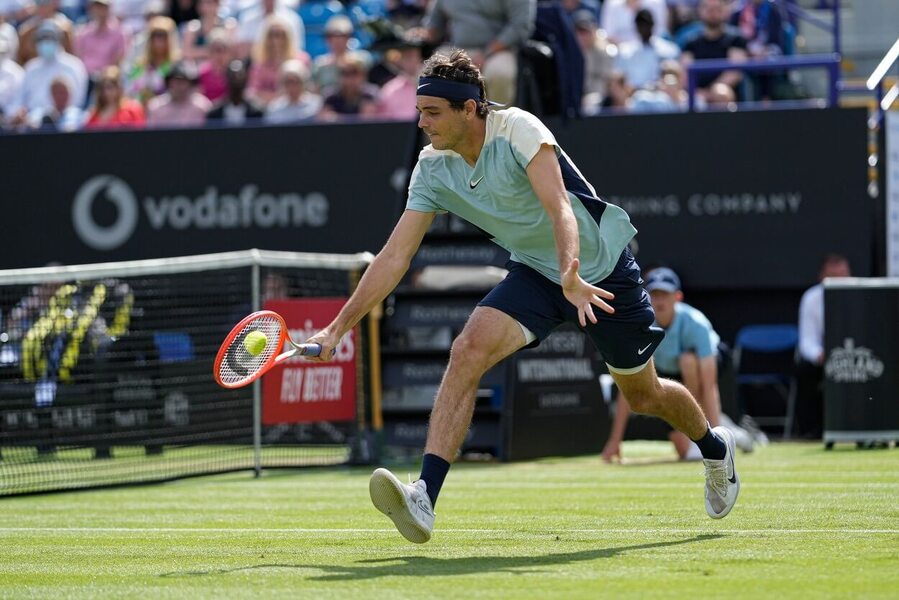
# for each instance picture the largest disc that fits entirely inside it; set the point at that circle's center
(721, 482)
(407, 505)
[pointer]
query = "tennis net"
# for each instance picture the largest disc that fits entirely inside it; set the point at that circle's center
(106, 370)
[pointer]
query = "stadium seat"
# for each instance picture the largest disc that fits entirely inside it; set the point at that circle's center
(315, 13)
(764, 357)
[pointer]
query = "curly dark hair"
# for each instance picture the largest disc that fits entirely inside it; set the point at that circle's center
(458, 67)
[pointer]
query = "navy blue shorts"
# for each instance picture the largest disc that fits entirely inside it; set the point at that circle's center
(626, 339)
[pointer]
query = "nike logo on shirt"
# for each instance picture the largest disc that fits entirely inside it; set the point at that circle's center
(640, 352)
(474, 184)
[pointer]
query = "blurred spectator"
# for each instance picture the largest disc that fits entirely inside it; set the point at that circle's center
(196, 33)
(721, 96)
(100, 42)
(810, 367)
(617, 18)
(147, 77)
(213, 81)
(618, 98)
(338, 33)
(296, 103)
(491, 31)
(396, 99)
(682, 17)
(235, 109)
(253, 20)
(44, 10)
(716, 40)
(669, 95)
(10, 36)
(40, 72)
(275, 46)
(133, 14)
(761, 23)
(181, 105)
(640, 60)
(113, 109)
(599, 58)
(182, 11)
(353, 93)
(62, 114)
(573, 7)
(406, 13)
(11, 76)
(137, 46)
(15, 11)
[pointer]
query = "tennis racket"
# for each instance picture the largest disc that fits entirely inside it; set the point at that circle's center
(236, 367)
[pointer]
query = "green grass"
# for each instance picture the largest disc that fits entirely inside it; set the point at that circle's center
(809, 524)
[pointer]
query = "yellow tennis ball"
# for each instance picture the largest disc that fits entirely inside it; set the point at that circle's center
(255, 342)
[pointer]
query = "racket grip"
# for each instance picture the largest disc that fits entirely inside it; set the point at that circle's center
(309, 349)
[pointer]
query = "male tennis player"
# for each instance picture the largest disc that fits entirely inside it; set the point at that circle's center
(504, 172)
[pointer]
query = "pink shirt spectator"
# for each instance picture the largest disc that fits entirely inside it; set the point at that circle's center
(397, 99)
(212, 83)
(264, 78)
(164, 112)
(99, 48)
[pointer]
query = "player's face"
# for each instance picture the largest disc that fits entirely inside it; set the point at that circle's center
(443, 124)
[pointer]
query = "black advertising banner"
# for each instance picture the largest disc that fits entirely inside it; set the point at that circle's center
(861, 346)
(98, 197)
(735, 200)
(732, 201)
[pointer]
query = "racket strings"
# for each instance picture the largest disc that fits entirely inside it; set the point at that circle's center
(238, 364)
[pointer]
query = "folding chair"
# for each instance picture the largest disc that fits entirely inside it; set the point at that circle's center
(764, 356)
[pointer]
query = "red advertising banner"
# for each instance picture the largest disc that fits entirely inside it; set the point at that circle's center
(300, 391)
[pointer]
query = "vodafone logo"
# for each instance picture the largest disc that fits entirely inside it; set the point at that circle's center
(247, 207)
(110, 189)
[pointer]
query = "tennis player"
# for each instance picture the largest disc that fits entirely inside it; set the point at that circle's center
(503, 171)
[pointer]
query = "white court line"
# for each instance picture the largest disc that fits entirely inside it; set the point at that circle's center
(309, 530)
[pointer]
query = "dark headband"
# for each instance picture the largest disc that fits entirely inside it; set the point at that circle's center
(451, 90)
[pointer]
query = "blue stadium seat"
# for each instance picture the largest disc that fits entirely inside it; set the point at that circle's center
(764, 357)
(315, 13)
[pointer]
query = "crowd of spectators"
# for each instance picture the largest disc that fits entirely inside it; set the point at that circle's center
(89, 64)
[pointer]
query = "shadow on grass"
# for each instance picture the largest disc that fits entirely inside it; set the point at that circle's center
(417, 566)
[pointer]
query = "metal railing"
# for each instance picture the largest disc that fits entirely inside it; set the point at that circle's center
(831, 62)
(804, 15)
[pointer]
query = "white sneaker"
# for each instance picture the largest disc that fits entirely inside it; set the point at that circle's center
(408, 505)
(721, 482)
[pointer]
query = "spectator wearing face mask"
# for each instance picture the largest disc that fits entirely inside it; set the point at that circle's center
(44, 10)
(52, 62)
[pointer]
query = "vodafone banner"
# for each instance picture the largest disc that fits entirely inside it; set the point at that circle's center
(300, 391)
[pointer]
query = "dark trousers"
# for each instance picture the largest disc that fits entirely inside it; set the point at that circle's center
(809, 421)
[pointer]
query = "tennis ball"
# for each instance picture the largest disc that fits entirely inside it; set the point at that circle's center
(255, 342)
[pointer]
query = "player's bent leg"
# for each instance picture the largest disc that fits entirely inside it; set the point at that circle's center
(489, 336)
(671, 401)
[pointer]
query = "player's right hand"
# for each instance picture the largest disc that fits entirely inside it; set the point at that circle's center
(328, 342)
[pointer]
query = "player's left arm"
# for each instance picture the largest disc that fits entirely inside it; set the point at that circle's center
(546, 179)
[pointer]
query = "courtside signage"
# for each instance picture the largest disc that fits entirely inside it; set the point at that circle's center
(301, 391)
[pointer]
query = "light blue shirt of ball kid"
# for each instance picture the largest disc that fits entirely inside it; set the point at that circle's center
(690, 331)
(496, 196)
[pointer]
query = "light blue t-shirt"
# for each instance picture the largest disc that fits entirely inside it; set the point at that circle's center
(690, 331)
(496, 195)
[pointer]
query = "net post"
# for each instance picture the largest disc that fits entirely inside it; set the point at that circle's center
(257, 385)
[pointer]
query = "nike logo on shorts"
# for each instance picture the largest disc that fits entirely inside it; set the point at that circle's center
(474, 184)
(640, 352)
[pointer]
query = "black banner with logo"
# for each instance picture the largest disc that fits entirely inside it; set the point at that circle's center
(861, 345)
(97, 197)
(735, 200)
(732, 201)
